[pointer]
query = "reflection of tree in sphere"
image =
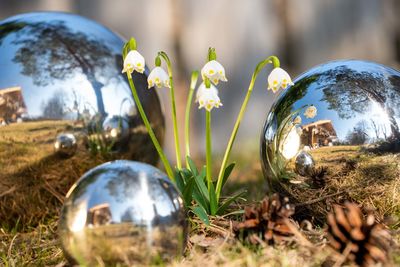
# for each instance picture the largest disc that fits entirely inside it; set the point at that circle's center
(349, 139)
(123, 211)
(61, 73)
(63, 67)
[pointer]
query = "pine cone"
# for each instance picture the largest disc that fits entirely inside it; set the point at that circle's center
(364, 241)
(266, 221)
(317, 177)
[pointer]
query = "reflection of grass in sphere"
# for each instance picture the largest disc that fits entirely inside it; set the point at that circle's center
(373, 182)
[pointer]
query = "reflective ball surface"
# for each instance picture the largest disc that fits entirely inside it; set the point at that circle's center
(347, 110)
(65, 145)
(304, 163)
(62, 73)
(122, 212)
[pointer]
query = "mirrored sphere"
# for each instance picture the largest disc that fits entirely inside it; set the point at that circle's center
(65, 145)
(338, 111)
(122, 212)
(304, 163)
(62, 73)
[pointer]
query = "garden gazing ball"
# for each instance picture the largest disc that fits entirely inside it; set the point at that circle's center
(342, 110)
(65, 144)
(304, 163)
(123, 212)
(62, 73)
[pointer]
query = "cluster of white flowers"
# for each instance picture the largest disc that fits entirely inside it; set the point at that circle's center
(208, 97)
(213, 71)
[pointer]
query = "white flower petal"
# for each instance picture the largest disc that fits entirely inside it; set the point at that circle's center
(158, 77)
(278, 78)
(214, 71)
(134, 61)
(310, 112)
(208, 97)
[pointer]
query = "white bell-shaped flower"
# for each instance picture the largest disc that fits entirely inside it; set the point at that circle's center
(290, 144)
(208, 97)
(310, 112)
(297, 120)
(158, 77)
(278, 78)
(214, 71)
(134, 61)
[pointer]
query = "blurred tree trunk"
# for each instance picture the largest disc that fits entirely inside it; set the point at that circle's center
(287, 53)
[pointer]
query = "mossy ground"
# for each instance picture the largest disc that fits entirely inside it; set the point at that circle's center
(33, 184)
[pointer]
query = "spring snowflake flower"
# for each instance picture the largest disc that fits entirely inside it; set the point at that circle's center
(291, 143)
(310, 112)
(208, 97)
(278, 78)
(214, 71)
(134, 61)
(158, 77)
(297, 120)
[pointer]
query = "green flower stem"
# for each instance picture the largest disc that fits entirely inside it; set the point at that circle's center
(195, 75)
(275, 61)
(208, 150)
(153, 137)
(172, 96)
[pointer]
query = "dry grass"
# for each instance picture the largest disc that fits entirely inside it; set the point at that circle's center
(32, 190)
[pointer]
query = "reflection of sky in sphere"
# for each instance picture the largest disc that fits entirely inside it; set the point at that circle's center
(35, 99)
(374, 113)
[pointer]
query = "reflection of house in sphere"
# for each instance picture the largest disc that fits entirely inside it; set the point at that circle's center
(349, 150)
(61, 73)
(357, 103)
(12, 105)
(123, 211)
(99, 215)
(319, 133)
(68, 70)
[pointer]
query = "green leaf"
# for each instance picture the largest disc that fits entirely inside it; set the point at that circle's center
(179, 181)
(201, 213)
(188, 191)
(199, 199)
(201, 185)
(213, 200)
(203, 173)
(186, 174)
(125, 50)
(192, 166)
(228, 201)
(228, 170)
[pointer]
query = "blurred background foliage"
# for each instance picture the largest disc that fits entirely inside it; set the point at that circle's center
(301, 33)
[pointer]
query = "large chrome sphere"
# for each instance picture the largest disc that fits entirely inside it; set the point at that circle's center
(62, 73)
(338, 111)
(122, 212)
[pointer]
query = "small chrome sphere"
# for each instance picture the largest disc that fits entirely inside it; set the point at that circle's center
(304, 163)
(123, 212)
(65, 144)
